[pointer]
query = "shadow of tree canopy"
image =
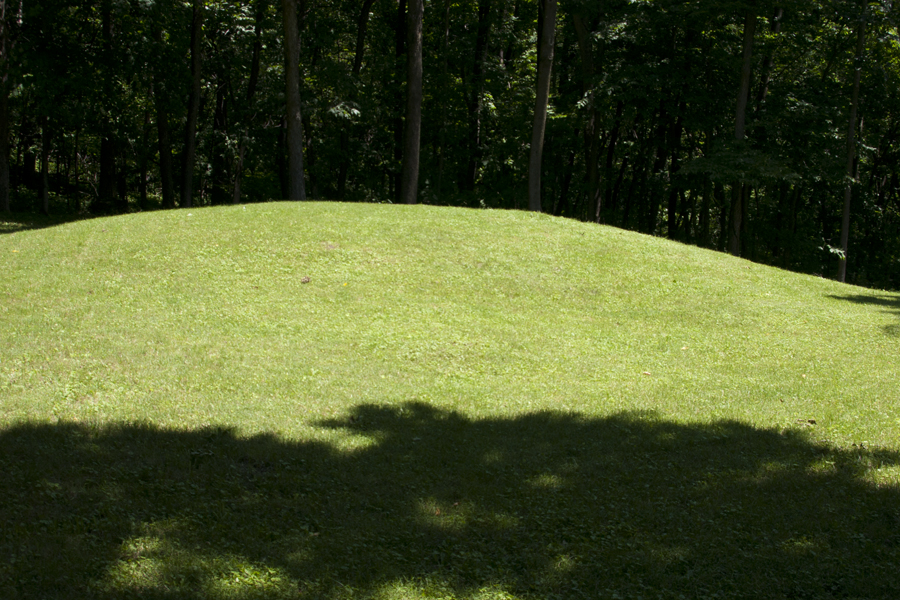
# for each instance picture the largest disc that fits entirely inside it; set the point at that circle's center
(17, 221)
(891, 303)
(547, 505)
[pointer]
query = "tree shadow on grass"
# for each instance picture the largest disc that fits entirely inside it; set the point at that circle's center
(547, 505)
(18, 221)
(890, 302)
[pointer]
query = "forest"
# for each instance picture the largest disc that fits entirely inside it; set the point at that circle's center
(765, 129)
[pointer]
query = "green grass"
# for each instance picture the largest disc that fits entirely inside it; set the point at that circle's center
(335, 401)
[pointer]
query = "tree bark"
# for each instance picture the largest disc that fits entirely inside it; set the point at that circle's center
(106, 200)
(740, 121)
(190, 133)
(296, 189)
(476, 92)
(251, 91)
(143, 161)
(409, 183)
(546, 42)
(591, 131)
(774, 27)
(361, 29)
(401, 33)
(674, 143)
(164, 141)
(851, 148)
(107, 177)
(441, 149)
(5, 48)
(4, 140)
(166, 177)
(44, 188)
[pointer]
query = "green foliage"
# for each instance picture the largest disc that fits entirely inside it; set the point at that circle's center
(642, 111)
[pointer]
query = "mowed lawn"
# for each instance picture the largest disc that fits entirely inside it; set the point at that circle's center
(326, 400)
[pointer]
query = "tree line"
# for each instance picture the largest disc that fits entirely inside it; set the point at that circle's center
(768, 129)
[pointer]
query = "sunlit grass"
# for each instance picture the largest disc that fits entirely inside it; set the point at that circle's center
(322, 328)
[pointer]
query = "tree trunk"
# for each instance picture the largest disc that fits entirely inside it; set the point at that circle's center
(107, 184)
(143, 161)
(46, 138)
(361, 28)
(774, 27)
(674, 143)
(476, 91)
(190, 133)
(166, 177)
(740, 121)
(704, 215)
(546, 42)
(251, 90)
(5, 47)
(221, 178)
(4, 136)
(851, 148)
(401, 33)
(591, 131)
(106, 192)
(441, 149)
(296, 188)
(413, 126)
(76, 184)
(611, 200)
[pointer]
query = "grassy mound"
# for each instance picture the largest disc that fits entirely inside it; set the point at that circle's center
(329, 400)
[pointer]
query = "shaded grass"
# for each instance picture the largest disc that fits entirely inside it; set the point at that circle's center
(24, 221)
(438, 505)
(539, 407)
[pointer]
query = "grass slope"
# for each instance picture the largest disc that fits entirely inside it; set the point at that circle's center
(331, 400)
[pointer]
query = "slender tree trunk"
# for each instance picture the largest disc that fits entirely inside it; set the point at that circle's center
(674, 142)
(166, 176)
(251, 90)
(361, 28)
(774, 27)
(746, 71)
(617, 188)
(851, 148)
(46, 138)
(441, 150)
(413, 126)
(611, 199)
(106, 201)
(704, 215)
(296, 186)
(4, 137)
(5, 47)
(107, 184)
(591, 130)
(562, 205)
(654, 197)
(221, 178)
(143, 162)
(740, 121)
(122, 184)
(476, 92)
(76, 184)
(190, 133)
(719, 197)
(401, 33)
(546, 42)
(164, 141)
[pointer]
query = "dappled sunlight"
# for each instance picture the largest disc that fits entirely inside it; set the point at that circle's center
(439, 505)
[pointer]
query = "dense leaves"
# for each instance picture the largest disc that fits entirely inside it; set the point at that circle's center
(640, 130)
